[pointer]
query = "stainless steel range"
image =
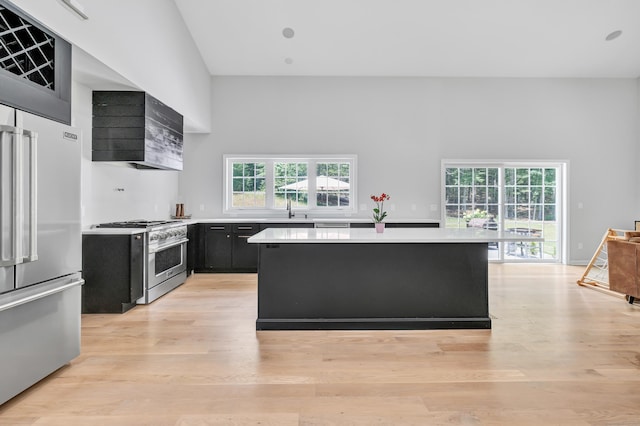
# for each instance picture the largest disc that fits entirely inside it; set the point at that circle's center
(166, 255)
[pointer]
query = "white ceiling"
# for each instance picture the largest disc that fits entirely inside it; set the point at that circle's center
(439, 38)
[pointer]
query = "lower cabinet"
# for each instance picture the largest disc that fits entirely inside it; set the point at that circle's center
(192, 244)
(244, 256)
(224, 248)
(113, 270)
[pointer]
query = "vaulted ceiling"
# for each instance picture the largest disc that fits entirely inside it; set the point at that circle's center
(439, 38)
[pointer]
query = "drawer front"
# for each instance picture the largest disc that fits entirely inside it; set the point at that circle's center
(246, 228)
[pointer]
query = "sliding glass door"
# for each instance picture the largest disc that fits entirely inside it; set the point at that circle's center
(519, 198)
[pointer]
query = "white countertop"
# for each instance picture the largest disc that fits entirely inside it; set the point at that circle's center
(113, 231)
(302, 219)
(390, 235)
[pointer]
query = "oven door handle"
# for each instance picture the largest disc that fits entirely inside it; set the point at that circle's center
(177, 243)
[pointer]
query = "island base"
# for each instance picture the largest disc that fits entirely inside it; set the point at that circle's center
(333, 286)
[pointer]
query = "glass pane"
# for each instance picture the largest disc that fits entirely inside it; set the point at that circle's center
(536, 194)
(510, 194)
(494, 211)
(522, 176)
(249, 185)
(549, 195)
(522, 213)
(480, 176)
(550, 177)
(249, 169)
(480, 195)
(451, 195)
(550, 212)
(536, 176)
(451, 176)
(466, 176)
(510, 211)
(522, 195)
(509, 177)
(466, 194)
(237, 169)
(492, 177)
(492, 195)
(237, 184)
(536, 211)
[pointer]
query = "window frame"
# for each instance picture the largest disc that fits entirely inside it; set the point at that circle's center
(561, 179)
(270, 160)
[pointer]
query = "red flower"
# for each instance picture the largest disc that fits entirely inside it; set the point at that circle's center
(378, 213)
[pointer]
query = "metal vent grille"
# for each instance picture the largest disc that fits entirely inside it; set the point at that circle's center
(26, 50)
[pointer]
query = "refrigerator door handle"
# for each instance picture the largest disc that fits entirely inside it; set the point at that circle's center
(9, 192)
(18, 196)
(32, 254)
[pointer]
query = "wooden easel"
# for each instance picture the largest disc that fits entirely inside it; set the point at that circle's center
(596, 275)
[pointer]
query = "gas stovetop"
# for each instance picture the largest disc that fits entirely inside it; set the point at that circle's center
(135, 223)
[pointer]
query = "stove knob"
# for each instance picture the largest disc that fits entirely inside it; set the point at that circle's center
(153, 237)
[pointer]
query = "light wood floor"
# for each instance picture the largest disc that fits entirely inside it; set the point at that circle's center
(558, 354)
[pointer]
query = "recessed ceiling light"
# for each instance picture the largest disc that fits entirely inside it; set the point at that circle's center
(288, 32)
(614, 35)
(288, 61)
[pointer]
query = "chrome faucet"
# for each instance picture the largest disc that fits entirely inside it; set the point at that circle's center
(291, 214)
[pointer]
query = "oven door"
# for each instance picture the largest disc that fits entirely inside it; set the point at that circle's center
(166, 262)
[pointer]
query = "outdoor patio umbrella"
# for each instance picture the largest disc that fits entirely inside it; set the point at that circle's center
(323, 183)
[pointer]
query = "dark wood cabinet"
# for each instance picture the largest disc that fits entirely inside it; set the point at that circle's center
(113, 270)
(244, 256)
(223, 247)
(192, 245)
(137, 128)
(217, 247)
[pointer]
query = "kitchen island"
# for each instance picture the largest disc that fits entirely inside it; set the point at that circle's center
(404, 278)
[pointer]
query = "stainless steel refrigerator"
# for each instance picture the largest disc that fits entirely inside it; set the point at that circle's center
(40, 248)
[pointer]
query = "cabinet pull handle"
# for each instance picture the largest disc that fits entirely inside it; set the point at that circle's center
(245, 228)
(217, 228)
(244, 236)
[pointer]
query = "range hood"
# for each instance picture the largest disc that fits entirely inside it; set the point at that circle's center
(136, 128)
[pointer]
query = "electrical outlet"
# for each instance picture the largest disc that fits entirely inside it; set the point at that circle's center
(580, 246)
(201, 207)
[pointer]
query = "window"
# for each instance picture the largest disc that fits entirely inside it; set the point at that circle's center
(520, 198)
(248, 185)
(268, 183)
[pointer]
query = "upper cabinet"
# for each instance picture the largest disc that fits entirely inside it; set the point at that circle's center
(35, 66)
(136, 128)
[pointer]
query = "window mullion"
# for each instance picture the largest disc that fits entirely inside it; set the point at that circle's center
(312, 170)
(269, 182)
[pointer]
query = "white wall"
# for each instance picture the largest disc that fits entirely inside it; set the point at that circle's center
(401, 128)
(112, 191)
(145, 41)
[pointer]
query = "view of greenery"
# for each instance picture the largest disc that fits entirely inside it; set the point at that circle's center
(526, 196)
(290, 182)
